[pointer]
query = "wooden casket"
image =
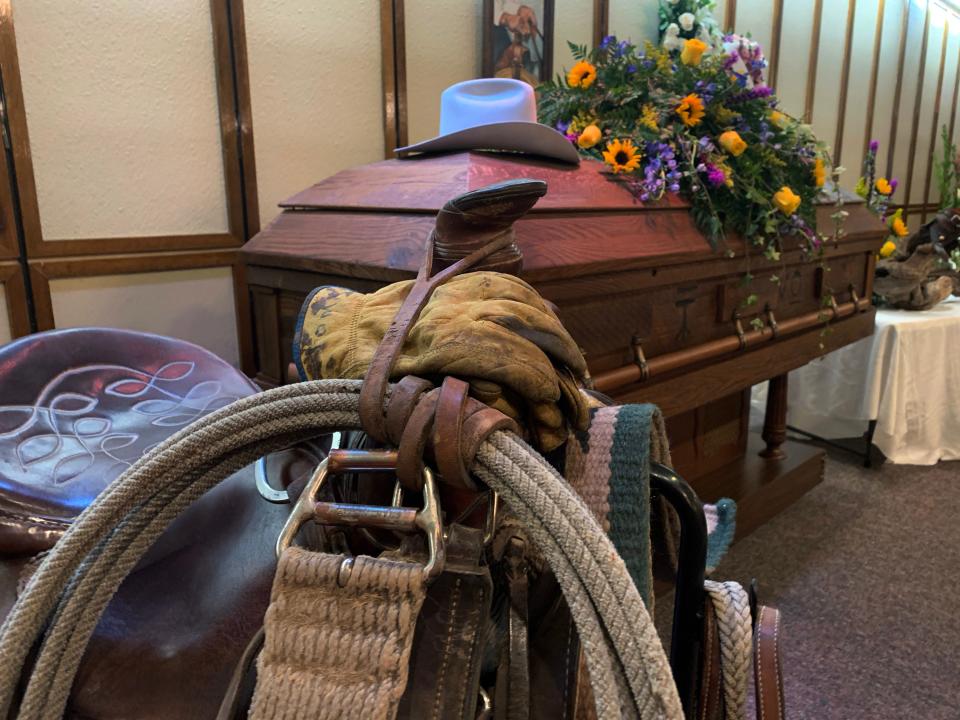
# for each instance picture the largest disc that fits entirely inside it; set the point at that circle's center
(661, 316)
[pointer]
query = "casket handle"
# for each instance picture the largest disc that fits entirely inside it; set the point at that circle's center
(772, 321)
(741, 335)
(639, 358)
(855, 298)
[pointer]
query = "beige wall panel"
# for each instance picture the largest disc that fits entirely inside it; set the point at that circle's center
(833, 30)
(904, 113)
(858, 91)
(5, 333)
(121, 105)
(794, 55)
(634, 21)
(195, 305)
(573, 21)
(443, 48)
(886, 83)
(930, 75)
(315, 85)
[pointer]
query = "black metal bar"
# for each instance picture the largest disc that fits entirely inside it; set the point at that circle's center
(867, 436)
(685, 645)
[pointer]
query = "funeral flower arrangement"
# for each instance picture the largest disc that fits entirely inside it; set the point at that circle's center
(877, 191)
(699, 121)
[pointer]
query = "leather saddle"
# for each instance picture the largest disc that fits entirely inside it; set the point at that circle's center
(77, 408)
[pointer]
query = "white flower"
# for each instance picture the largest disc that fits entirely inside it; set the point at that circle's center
(671, 38)
(673, 2)
(686, 21)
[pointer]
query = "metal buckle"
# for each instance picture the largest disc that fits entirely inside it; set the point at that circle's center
(404, 519)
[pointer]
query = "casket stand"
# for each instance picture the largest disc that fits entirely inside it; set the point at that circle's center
(659, 314)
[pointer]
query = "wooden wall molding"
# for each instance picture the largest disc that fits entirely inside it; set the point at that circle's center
(393, 72)
(898, 89)
(15, 293)
(773, 54)
(917, 107)
(236, 117)
(601, 21)
(874, 76)
(844, 82)
(812, 64)
(232, 125)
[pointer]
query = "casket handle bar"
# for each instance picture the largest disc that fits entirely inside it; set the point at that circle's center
(772, 321)
(643, 368)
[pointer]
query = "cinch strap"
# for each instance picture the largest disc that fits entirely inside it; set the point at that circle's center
(333, 651)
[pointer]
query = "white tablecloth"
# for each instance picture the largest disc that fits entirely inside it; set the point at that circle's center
(906, 376)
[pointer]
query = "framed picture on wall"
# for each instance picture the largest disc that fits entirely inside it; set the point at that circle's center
(518, 39)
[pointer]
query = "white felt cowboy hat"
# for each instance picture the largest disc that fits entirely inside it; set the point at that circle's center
(494, 114)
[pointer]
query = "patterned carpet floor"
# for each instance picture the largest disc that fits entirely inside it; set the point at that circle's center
(865, 570)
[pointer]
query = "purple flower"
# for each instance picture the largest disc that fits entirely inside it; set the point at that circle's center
(607, 41)
(674, 188)
(715, 176)
(874, 146)
(893, 185)
(631, 68)
(562, 125)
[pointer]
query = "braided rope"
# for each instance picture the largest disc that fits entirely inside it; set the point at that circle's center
(732, 606)
(73, 585)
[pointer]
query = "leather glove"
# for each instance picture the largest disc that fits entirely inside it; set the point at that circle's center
(490, 329)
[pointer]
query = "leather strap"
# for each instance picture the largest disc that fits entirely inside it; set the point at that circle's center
(768, 673)
(378, 374)
(335, 647)
(513, 676)
(448, 646)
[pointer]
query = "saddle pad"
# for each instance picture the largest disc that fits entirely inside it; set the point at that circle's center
(79, 406)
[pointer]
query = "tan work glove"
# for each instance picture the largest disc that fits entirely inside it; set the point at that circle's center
(490, 329)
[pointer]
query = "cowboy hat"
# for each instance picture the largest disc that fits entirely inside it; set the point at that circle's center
(494, 114)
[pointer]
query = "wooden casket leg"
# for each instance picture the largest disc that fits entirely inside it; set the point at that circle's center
(775, 420)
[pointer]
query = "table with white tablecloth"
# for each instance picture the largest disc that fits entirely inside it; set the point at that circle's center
(906, 377)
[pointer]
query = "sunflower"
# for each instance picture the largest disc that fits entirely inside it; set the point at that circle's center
(690, 110)
(582, 75)
(622, 155)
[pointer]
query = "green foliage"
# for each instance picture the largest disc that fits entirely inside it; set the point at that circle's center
(947, 172)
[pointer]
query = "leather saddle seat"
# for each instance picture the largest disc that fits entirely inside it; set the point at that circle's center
(79, 406)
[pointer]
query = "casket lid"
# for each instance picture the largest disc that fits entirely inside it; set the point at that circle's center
(373, 221)
(425, 183)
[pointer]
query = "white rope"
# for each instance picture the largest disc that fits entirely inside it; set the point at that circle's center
(732, 606)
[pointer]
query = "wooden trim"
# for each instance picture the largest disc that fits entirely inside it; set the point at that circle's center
(773, 55)
(15, 292)
(844, 82)
(393, 66)
(936, 119)
(898, 88)
(730, 15)
(236, 116)
(241, 299)
(917, 99)
(19, 134)
(874, 74)
(44, 270)
(812, 64)
(37, 246)
(601, 21)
